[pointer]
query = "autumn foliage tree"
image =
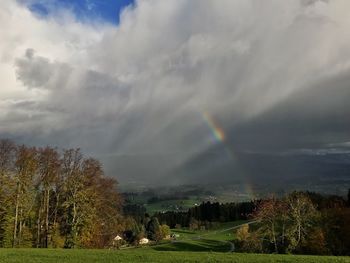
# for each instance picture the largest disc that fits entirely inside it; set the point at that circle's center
(7, 157)
(295, 224)
(271, 213)
(52, 198)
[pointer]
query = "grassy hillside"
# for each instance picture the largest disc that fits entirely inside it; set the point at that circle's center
(215, 240)
(146, 255)
(222, 232)
(190, 246)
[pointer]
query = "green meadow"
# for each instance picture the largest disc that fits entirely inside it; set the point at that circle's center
(189, 246)
(147, 255)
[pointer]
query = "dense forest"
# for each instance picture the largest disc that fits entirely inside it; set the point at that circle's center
(52, 198)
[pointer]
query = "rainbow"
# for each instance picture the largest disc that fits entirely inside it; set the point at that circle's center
(218, 133)
(249, 190)
(219, 136)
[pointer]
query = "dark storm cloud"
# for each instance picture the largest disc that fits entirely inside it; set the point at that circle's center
(310, 118)
(305, 135)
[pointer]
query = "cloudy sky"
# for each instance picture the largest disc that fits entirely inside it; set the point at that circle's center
(181, 91)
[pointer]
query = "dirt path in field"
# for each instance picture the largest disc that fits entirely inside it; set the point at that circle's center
(232, 246)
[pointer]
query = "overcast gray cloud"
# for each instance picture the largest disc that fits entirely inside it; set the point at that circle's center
(273, 75)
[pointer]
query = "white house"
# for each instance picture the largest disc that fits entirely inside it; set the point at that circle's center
(144, 241)
(118, 238)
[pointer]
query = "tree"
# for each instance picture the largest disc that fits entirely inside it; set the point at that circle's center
(243, 232)
(248, 241)
(193, 224)
(25, 167)
(270, 213)
(287, 223)
(49, 170)
(153, 229)
(50, 199)
(302, 216)
(7, 156)
(104, 206)
(74, 194)
(315, 243)
(164, 231)
(337, 230)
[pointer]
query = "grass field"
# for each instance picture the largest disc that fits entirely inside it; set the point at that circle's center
(196, 245)
(215, 240)
(146, 255)
(218, 233)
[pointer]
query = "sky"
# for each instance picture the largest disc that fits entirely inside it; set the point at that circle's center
(83, 10)
(181, 91)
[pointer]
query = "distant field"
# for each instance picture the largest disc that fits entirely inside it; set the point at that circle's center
(172, 205)
(146, 255)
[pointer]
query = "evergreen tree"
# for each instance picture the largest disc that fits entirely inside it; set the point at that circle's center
(153, 229)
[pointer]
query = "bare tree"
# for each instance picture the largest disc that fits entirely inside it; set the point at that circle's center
(301, 217)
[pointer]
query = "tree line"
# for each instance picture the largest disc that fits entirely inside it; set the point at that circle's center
(199, 216)
(299, 223)
(52, 198)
